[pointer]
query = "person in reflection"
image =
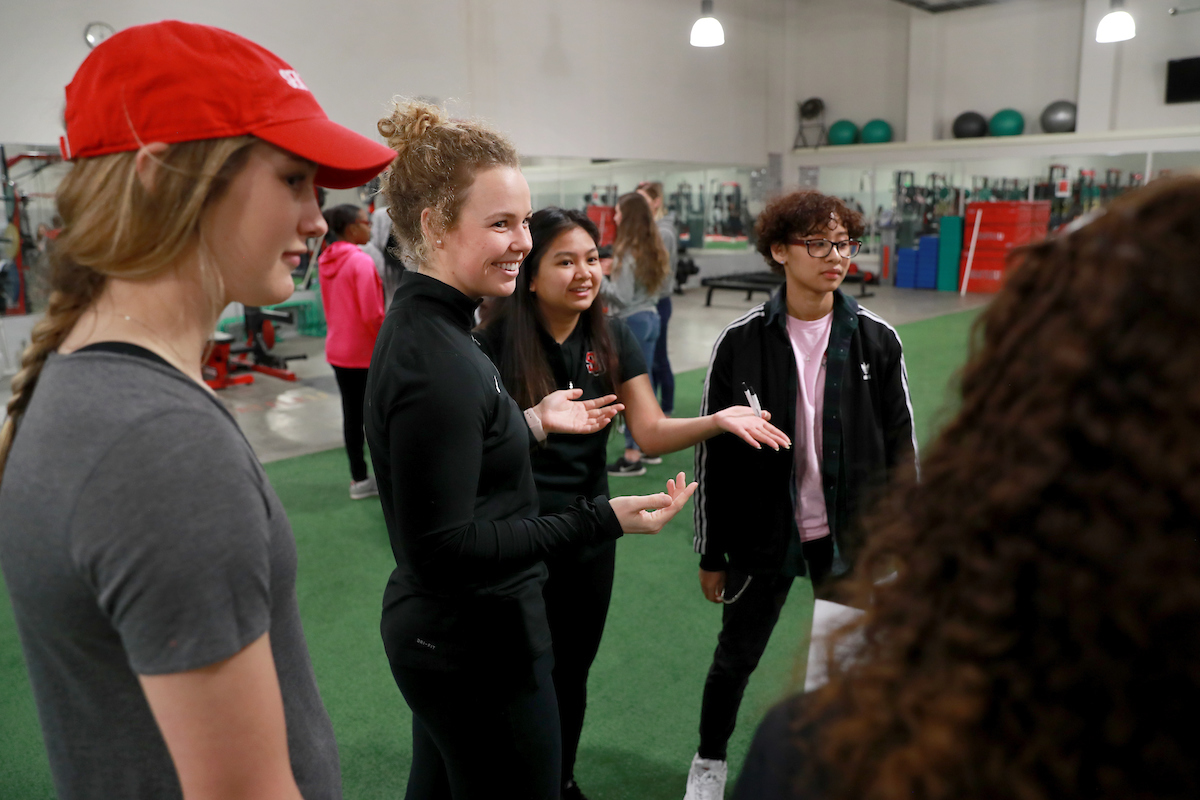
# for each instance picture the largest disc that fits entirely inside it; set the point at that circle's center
(831, 373)
(1036, 637)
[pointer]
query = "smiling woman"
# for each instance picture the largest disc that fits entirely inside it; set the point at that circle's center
(464, 623)
(552, 334)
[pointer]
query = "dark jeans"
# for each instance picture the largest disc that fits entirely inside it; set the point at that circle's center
(477, 736)
(352, 383)
(644, 326)
(661, 376)
(746, 626)
(577, 594)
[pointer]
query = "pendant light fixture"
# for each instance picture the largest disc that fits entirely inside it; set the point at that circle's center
(1117, 25)
(707, 32)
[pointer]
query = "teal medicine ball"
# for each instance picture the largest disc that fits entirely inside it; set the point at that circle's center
(877, 131)
(843, 132)
(1007, 122)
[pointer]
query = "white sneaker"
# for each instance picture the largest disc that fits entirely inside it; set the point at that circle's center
(361, 490)
(706, 779)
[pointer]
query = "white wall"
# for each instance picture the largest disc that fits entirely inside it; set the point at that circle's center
(593, 78)
(1022, 54)
(853, 54)
(1142, 65)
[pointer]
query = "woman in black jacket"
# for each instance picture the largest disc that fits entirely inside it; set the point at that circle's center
(551, 335)
(464, 624)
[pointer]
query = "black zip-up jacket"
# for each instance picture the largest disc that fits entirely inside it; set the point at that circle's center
(451, 455)
(745, 512)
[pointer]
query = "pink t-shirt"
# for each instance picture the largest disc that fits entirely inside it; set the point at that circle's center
(810, 339)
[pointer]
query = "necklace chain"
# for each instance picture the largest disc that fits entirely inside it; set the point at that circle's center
(152, 332)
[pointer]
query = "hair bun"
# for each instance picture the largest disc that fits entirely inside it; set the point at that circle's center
(409, 121)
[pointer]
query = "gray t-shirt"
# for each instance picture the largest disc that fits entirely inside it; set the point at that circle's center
(624, 294)
(139, 535)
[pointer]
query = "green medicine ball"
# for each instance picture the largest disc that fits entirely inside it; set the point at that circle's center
(1007, 122)
(877, 131)
(843, 132)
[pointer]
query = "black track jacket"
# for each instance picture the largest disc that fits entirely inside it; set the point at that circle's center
(451, 456)
(744, 511)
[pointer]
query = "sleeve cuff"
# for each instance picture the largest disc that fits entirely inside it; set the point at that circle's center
(610, 526)
(713, 562)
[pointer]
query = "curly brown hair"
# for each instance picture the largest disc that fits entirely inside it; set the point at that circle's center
(1039, 636)
(803, 212)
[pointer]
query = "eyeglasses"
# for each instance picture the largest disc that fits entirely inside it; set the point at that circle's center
(819, 248)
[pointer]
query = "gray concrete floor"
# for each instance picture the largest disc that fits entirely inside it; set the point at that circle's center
(282, 419)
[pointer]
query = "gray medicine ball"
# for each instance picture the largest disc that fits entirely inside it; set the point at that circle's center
(1059, 117)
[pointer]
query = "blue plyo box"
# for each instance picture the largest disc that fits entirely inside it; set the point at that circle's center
(927, 262)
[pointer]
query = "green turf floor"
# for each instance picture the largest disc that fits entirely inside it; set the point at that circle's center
(641, 729)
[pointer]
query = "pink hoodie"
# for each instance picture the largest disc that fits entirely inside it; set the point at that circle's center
(353, 298)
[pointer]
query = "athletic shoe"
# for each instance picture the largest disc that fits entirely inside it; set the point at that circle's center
(572, 792)
(361, 490)
(626, 469)
(651, 460)
(706, 779)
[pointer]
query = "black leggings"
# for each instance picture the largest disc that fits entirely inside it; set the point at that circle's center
(477, 736)
(746, 626)
(352, 383)
(577, 594)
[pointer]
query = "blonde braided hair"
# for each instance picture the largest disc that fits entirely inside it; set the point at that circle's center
(114, 227)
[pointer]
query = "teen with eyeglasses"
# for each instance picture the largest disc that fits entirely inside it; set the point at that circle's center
(832, 374)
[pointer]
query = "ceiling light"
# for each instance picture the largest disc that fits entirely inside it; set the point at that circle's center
(1117, 25)
(707, 32)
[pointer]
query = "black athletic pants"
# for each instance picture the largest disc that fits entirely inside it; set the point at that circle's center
(577, 594)
(479, 736)
(746, 626)
(352, 383)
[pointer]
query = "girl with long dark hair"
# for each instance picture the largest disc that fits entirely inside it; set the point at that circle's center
(464, 623)
(1036, 637)
(552, 334)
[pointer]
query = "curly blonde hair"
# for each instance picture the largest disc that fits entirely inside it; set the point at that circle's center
(437, 159)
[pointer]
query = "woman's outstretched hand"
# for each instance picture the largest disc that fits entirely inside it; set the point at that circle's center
(649, 513)
(564, 412)
(741, 421)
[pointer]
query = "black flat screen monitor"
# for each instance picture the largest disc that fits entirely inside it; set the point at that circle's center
(1183, 80)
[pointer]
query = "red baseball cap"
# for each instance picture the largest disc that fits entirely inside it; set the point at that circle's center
(179, 82)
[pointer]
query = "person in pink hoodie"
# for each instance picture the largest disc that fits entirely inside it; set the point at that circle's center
(352, 295)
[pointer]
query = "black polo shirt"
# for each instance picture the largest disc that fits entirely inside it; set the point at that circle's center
(568, 465)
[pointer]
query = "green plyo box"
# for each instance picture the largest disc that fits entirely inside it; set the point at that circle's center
(949, 253)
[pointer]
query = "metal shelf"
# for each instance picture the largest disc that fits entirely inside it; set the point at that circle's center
(1162, 140)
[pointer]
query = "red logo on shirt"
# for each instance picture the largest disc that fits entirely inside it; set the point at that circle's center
(592, 361)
